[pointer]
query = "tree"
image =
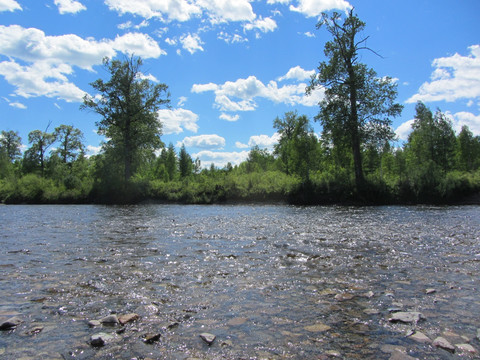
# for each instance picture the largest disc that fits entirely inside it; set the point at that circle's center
(128, 104)
(185, 163)
(358, 105)
(71, 144)
(10, 143)
(297, 144)
(171, 162)
(468, 150)
(35, 155)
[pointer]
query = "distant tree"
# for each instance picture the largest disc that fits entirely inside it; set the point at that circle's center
(358, 106)
(185, 163)
(259, 159)
(297, 144)
(171, 162)
(468, 150)
(40, 141)
(10, 143)
(71, 145)
(128, 104)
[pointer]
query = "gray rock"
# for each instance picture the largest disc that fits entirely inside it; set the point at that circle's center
(430, 291)
(110, 320)
(150, 338)
(100, 339)
(94, 323)
(399, 355)
(406, 317)
(443, 344)
(421, 338)
(11, 323)
(124, 319)
(466, 348)
(208, 338)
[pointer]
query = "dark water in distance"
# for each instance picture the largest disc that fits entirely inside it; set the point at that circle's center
(270, 281)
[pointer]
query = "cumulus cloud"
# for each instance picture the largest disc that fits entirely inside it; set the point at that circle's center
(221, 159)
(264, 141)
(313, 8)
(240, 95)
(9, 5)
(240, 145)
(191, 43)
(263, 24)
(466, 118)
(176, 120)
(93, 150)
(455, 77)
(231, 38)
(404, 130)
(228, 117)
(50, 59)
(297, 73)
(17, 105)
(69, 6)
(204, 141)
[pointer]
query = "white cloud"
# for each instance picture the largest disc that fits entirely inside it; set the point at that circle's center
(297, 73)
(227, 10)
(313, 8)
(181, 101)
(231, 38)
(264, 141)
(219, 158)
(93, 150)
(240, 95)
(150, 77)
(171, 42)
(180, 10)
(191, 43)
(228, 117)
(309, 34)
(264, 25)
(278, 1)
(69, 6)
(175, 121)
(404, 130)
(17, 105)
(240, 145)
(129, 24)
(466, 118)
(51, 59)
(9, 5)
(204, 141)
(455, 77)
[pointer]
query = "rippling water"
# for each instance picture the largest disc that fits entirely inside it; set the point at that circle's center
(271, 282)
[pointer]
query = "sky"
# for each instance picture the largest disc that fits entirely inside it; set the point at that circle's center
(231, 66)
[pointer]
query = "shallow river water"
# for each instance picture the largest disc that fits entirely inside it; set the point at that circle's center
(269, 281)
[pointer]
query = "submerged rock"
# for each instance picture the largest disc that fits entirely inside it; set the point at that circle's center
(11, 323)
(150, 338)
(344, 296)
(443, 344)
(124, 319)
(420, 337)
(406, 317)
(466, 348)
(110, 320)
(318, 327)
(94, 323)
(208, 338)
(100, 339)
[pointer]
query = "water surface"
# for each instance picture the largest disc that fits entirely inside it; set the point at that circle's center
(270, 281)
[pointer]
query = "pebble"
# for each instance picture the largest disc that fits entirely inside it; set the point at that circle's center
(110, 319)
(430, 291)
(124, 319)
(406, 317)
(467, 348)
(94, 323)
(150, 338)
(208, 338)
(421, 337)
(318, 327)
(443, 344)
(11, 323)
(399, 355)
(344, 296)
(100, 339)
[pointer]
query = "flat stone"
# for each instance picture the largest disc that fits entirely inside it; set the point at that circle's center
(421, 338)
(390, 349)
(11, 323)
(318, 327)
(124, 319)
(371, 311)
(100, 339)
(34, 330)
(94, 323)
(399, 355)
(443, 344)
(150, 338)
(110, 319)
(406, 317)
(208, 338)
(430, 291)
(466, 348)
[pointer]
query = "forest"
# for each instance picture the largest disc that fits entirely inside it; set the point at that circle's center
(355, 160)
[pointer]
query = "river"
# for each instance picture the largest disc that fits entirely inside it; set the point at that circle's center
(269, 281)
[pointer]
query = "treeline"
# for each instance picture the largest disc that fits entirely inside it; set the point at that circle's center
(434, 166)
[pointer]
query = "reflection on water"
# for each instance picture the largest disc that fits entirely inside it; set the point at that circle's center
(270, 282)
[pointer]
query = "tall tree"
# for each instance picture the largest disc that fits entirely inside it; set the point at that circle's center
(358, 105)
(10, 143)
(128, 104)
(70, 140)
(40, 141)
(185, 163)
(468, 150)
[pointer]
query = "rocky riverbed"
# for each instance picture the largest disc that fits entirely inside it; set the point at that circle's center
(243, 283)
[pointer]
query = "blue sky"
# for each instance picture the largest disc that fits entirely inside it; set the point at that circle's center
(231, 66)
